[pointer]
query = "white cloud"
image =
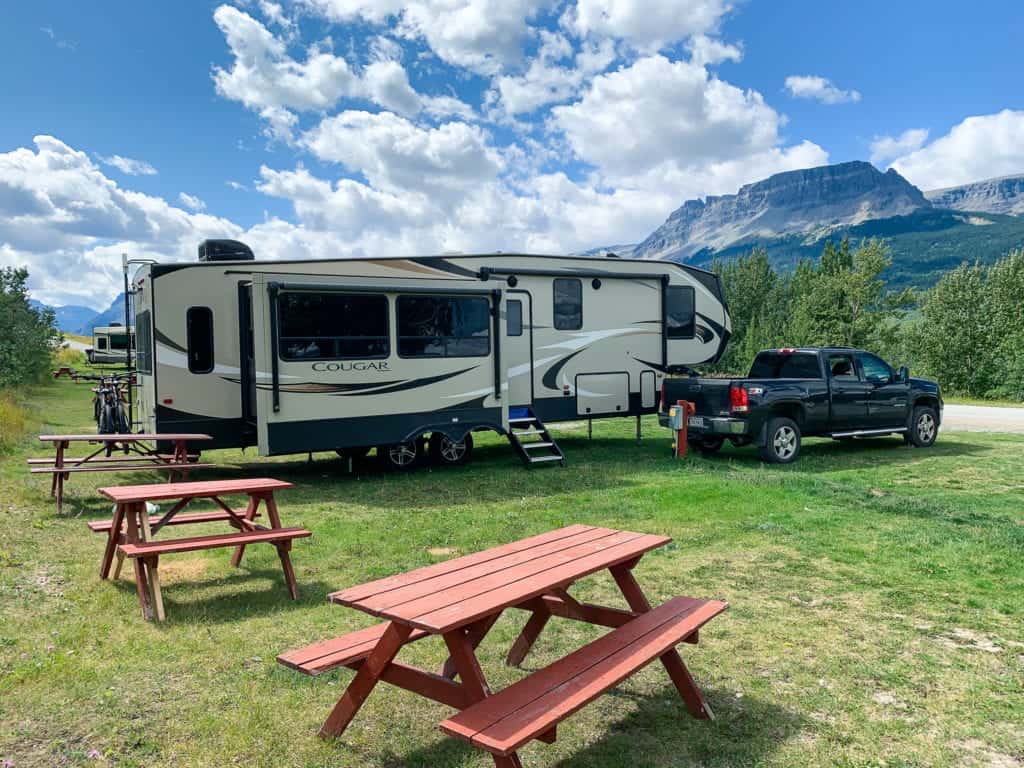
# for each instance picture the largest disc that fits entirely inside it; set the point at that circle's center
(191, 202)
(236, 185)
(395, 154)
(886, 148)
(707, 51)
(819, 89)
(980, 147)
(128, 165)
(647, 24)
(485, 36)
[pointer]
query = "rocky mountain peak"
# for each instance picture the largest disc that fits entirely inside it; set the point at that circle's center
(1003, 195)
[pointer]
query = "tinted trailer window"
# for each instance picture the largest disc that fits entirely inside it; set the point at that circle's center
(785, 365)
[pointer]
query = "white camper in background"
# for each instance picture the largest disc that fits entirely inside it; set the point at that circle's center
(411, 354)
(110, 344)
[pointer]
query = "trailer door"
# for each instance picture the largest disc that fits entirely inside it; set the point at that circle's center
(519, 347)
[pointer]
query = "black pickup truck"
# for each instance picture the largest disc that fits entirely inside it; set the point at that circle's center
(833, 392)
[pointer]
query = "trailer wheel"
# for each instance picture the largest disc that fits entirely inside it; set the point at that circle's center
(449, 453)
(402, 457)
(783, 443)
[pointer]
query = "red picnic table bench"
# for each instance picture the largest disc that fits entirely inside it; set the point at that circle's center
(178, 463)
(130, 532)
(461, 599)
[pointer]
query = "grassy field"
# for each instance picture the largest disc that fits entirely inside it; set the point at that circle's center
(876, 592)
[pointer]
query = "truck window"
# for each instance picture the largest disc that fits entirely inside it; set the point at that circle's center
(333, 326)
(679, 311)
(144, 356)
(514, 317)
(841, 367)
(568, 293)
(785, 365)
(876, 370)
(443, 326)
(199, 335)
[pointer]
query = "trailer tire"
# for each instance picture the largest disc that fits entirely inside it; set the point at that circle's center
(402, 457)
(924, 427)
(782, 443)
(449, 453)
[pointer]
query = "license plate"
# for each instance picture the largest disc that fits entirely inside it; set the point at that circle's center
(696, 422)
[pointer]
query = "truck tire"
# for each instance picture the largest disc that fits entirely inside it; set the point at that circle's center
(782, 441)
(449, 453)
(924, 427)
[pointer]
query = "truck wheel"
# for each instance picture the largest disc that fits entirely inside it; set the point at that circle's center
(924, 427)
(449, 453)
(708, 446)
(402, 457)
(782, 444)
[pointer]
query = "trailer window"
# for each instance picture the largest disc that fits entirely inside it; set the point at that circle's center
(333, 326)
(199, 336)
(443, 326)
(568, 294)
(144, 354)
(679, 311)
(119, 341)
(514, 317)
(101, 343)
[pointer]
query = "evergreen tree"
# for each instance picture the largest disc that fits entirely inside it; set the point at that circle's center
(27, 336)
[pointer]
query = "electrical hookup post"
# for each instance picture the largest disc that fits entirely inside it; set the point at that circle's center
(678, 418)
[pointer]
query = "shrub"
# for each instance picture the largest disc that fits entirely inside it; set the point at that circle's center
(12, 422)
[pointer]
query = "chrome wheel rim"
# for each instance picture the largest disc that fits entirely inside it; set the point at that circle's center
(784, 442)
(451, 451)
(926, 427)
(403, 454)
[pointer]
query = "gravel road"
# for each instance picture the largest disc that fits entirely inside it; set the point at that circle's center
(983, 418)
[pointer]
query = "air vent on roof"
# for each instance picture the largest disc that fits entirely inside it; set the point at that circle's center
(225, 250)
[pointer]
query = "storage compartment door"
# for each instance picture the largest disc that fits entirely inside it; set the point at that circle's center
(602, 393)
(648, 392)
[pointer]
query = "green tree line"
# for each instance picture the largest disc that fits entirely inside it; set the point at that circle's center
(967, 332)
(28, 337)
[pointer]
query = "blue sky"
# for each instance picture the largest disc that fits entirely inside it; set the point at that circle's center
(351, 127)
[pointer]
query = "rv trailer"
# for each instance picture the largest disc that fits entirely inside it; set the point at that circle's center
(110, 344)
(351, 354)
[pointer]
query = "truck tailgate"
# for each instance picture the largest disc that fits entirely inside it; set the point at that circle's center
(709, 396)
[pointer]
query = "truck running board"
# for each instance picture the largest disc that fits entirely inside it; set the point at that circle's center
(868, 432)
(540, 451)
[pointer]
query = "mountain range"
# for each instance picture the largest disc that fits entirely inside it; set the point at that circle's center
(791, 214)
(81, 320)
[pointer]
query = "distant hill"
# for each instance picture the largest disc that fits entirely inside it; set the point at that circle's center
(111, 315)
(1002, 195)
(70, 318)
(793, 214)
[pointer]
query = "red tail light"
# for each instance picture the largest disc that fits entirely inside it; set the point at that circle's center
(738, 399)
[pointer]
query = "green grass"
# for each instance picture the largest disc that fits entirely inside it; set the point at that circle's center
(876, 597)
(957, 400)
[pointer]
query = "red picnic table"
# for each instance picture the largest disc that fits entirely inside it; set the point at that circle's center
(130, 532)
(146, 457)
(461, 599)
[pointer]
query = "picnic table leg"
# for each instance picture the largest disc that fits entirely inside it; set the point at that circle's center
(141, 582)
(695, 702)
(528, 636)
(250, 514)
(476, 634)
(461, 648)
(363, 683)
(152, 565)
(113, 539)
(283, 548)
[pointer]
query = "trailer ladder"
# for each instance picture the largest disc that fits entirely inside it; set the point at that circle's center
(538, 447)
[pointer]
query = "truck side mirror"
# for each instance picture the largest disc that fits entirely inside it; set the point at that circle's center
(903, 375)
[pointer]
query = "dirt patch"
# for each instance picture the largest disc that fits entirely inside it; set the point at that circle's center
(442, 551)
(969, 639)
(182, 570)
(980, 754)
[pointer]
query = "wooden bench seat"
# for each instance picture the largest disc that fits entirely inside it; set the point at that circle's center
(104, 526)
(532, 707)
(96, 466)
(117, 457)
(339, 651)
(147, 549)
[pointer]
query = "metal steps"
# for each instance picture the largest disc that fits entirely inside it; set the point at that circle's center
(533, 451)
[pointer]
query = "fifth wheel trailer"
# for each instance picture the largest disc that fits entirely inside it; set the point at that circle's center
(348, 354)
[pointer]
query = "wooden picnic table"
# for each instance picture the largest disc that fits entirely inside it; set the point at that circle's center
(461, 599)
(146, 456)
(130, 532)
